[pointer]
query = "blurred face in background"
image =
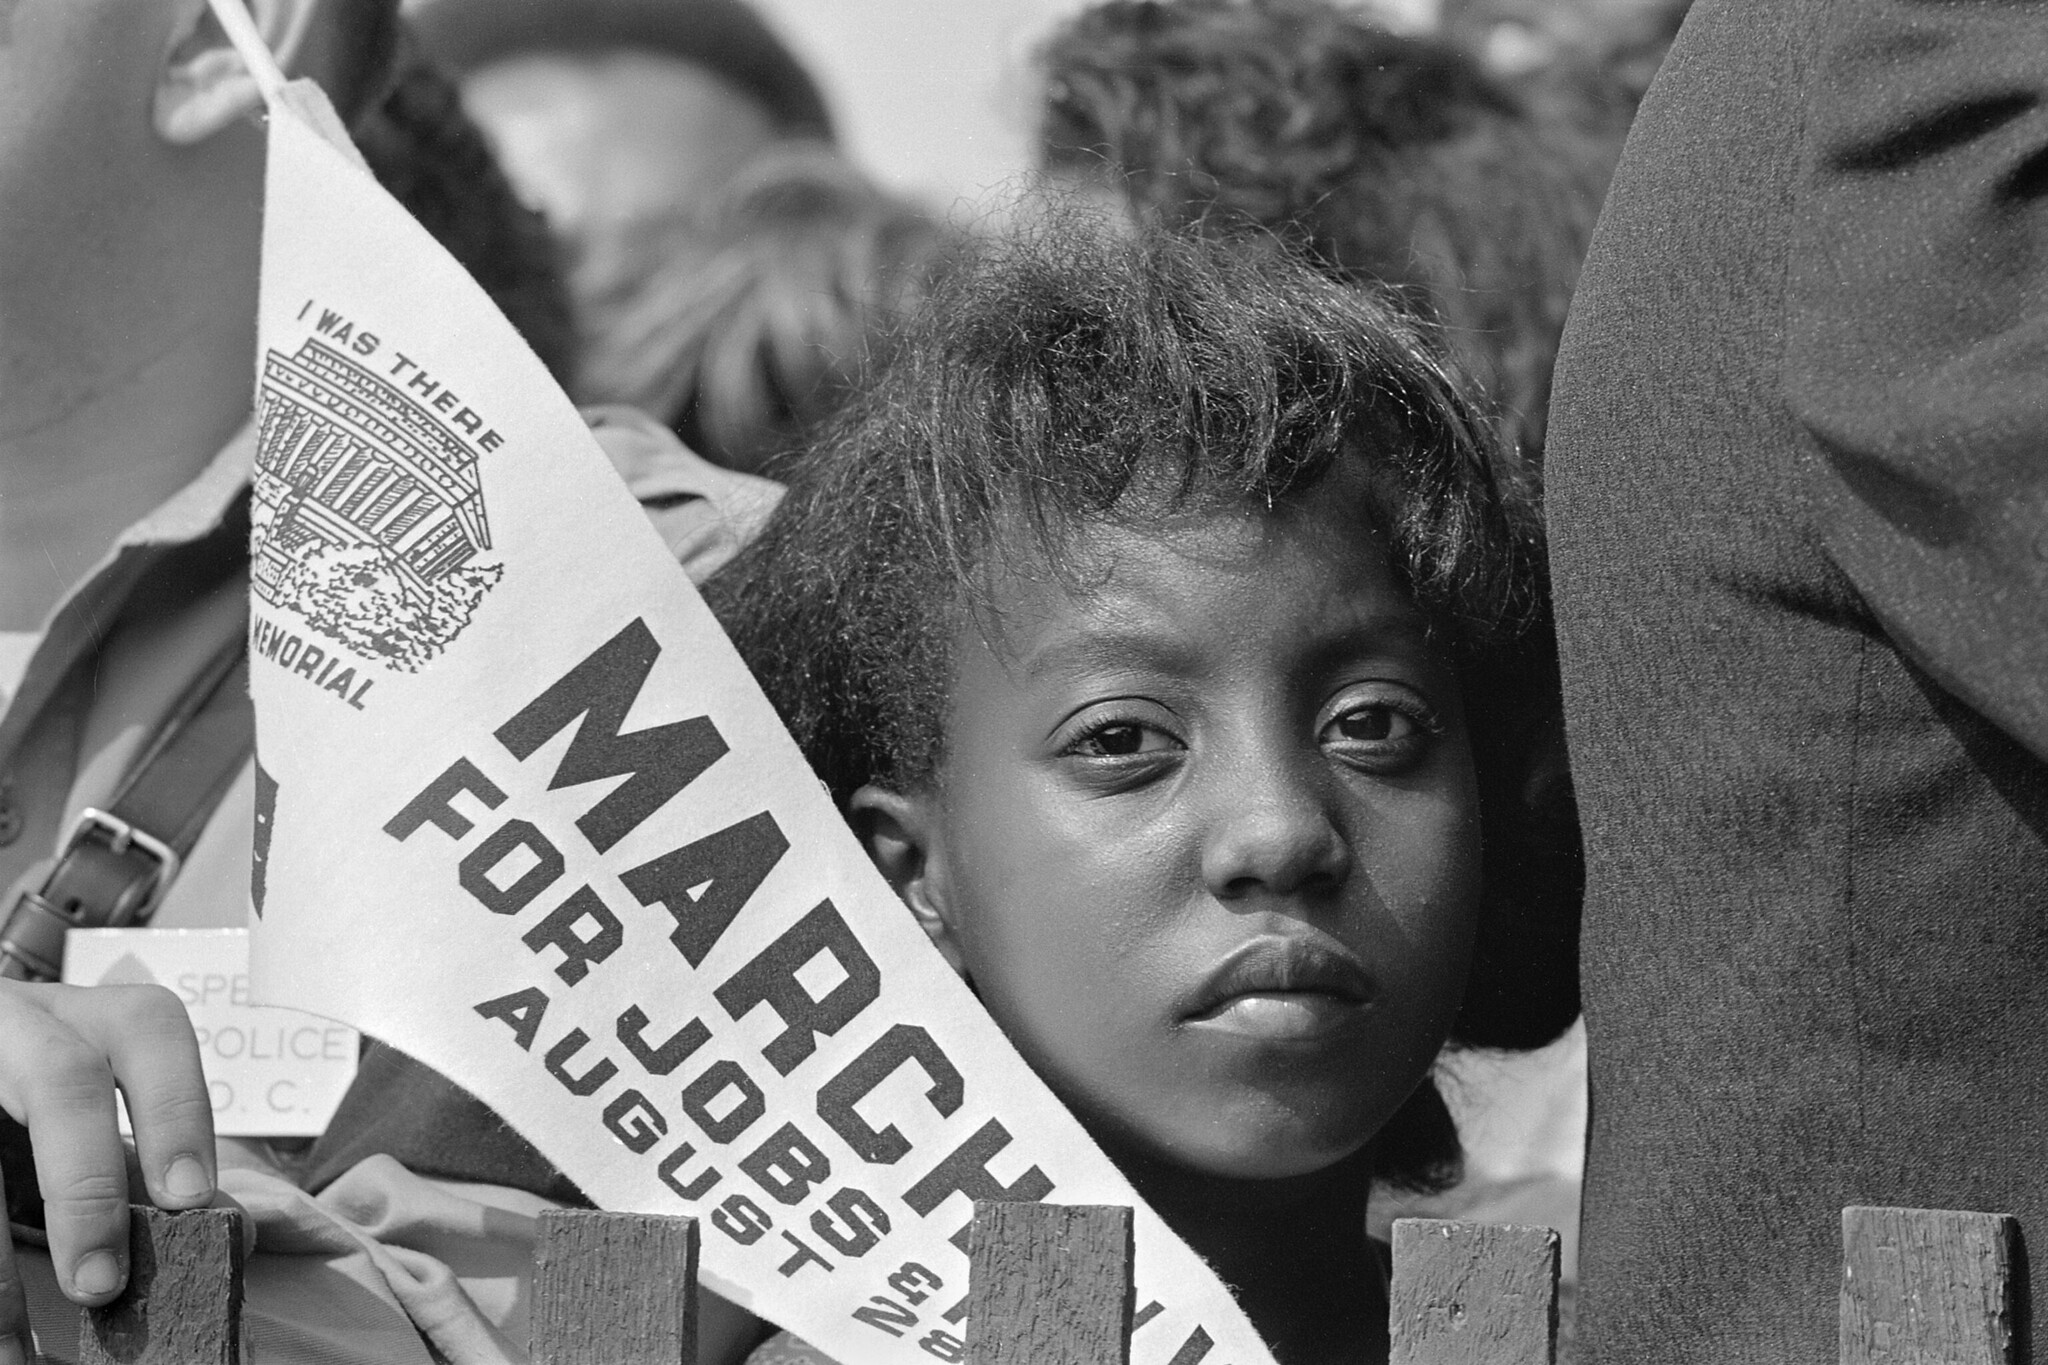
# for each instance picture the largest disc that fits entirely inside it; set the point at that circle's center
(600, 142)
(1516, 36)
(619, 151)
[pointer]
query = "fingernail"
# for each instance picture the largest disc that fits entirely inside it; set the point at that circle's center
(187, 1179)
(98, 1273)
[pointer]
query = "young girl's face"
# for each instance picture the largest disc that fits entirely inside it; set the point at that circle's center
(1205, 836)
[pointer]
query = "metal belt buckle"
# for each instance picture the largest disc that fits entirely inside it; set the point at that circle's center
(122, 836)
(93, 883)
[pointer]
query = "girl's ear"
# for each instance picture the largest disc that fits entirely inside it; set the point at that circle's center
(204, 85)
(903, 836)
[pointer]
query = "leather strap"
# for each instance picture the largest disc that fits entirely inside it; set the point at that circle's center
(119, 860)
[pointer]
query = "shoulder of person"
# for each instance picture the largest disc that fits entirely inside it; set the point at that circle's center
(704, 512)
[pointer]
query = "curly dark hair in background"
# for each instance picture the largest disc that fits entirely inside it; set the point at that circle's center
(1395, 161)
(1075, 378)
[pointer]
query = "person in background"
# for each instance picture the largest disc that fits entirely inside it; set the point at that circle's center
(623, 122)
(743, 323)
(126, 356)
(1397, 162)
(1610, 49)
(433, 158)
(1799, 510)
(132, 169)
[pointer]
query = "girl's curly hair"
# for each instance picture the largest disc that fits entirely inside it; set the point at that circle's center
(1394, 161)
(1075, 377)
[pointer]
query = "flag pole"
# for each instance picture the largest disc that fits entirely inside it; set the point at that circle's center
(241, 31)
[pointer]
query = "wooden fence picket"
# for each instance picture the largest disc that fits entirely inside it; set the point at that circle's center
(1049, 1282)
(1931, 1287)
(183, 1304)
(1053, 1282)
(614, 1289)
(1473, 1294)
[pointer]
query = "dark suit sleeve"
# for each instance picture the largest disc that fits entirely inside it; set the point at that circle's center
(1916, 342)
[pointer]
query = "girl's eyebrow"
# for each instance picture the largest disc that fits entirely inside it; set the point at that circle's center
(1077, 651)
(1380, 632)
(1405, 632)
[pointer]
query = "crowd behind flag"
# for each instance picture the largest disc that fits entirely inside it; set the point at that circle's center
(523, 814)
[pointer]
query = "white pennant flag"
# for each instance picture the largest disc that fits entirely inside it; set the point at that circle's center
(524, 814)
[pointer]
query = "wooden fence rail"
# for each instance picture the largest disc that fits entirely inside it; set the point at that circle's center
(1052, 1283)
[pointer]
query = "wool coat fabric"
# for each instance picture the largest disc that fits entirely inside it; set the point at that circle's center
(1799, 506)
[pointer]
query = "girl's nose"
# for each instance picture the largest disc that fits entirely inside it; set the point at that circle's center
(1273, 834)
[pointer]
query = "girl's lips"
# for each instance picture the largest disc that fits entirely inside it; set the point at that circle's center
(1281, 1016)
(1282, 989)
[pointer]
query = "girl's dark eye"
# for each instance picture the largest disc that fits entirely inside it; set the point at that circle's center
(1379, 735)
(1121, 739)
(1115, 740)
(1120, 735)
(1375, 724)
